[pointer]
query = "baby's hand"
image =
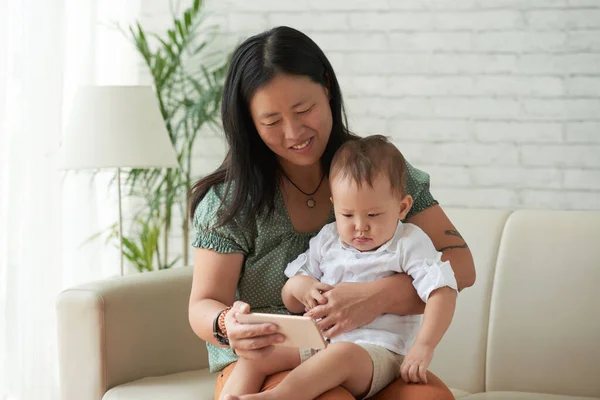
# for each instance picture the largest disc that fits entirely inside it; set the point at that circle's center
(313, 295)
(416, 362)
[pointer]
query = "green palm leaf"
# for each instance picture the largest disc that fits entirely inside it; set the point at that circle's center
(188, 82)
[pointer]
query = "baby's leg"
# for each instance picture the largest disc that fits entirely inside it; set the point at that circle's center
(340, 364)
(248, 375)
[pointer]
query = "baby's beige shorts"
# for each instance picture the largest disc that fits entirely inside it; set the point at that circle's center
(386, 365)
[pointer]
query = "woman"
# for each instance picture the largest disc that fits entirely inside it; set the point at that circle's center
(283, 118)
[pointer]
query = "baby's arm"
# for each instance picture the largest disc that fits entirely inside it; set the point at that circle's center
(301, 293)
(437, 287)
(437, 317)
(436, 320)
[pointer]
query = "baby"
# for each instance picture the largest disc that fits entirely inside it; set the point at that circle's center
(367, 242)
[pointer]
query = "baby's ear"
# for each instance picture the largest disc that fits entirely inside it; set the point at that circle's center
(331, 199)
(405, 206)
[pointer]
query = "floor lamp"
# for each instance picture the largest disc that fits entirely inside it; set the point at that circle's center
(116, 127)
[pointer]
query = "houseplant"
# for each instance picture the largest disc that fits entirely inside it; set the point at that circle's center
(188, 82)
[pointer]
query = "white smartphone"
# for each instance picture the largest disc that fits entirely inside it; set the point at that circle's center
(299, 331)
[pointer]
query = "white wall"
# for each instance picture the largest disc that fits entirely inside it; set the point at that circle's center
(499, 100)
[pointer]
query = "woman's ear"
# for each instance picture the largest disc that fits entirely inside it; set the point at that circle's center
(328, 85)
(327, 93)
(405, 206)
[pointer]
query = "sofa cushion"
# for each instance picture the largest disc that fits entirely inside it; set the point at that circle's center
(544, 318)
(521, 396)
(190, 385)
(459, 394)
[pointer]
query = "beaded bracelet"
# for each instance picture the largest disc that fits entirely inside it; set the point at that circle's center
(222, 327)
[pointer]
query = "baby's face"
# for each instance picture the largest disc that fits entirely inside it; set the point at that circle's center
(367, 217)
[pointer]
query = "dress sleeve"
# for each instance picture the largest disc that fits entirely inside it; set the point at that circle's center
(420, 260)
(417, 185)
(309, 262)
(228, 238)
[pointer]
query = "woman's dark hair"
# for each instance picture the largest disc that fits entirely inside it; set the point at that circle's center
(249, 164)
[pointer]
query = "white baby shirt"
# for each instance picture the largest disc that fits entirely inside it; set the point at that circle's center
(331, 261)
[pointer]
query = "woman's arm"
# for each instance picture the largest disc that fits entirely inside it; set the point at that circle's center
(213, 289)
(351, 305)
(446, 239)
(395, 294)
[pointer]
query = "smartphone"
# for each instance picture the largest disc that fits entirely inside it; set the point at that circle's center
(299, 331)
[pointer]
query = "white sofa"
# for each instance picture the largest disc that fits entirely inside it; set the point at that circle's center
(529, 328)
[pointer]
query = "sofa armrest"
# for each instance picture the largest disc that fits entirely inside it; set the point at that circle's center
(118, 330)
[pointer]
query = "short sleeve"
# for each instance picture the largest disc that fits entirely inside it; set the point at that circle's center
(305, 264)
(228, 238)
(417, 185)
(420, 260)
(309, 262)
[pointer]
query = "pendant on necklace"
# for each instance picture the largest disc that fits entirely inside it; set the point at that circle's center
(310, 203)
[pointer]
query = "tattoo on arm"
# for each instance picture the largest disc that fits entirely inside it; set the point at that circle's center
(460, 246)
(453, 233)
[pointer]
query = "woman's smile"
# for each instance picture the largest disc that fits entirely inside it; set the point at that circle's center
(303, 147)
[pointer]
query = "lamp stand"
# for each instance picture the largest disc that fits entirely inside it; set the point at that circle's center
(120, 220)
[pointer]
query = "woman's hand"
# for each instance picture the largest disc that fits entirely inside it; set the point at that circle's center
(250, 341)
(349, 305)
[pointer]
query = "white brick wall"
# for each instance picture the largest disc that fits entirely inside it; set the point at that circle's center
(499, 100)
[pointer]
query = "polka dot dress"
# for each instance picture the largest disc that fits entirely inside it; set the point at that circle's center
(268, 245)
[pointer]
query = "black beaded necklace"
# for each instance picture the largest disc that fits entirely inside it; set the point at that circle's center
(310, 202)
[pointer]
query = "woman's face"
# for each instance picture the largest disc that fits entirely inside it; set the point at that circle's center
(293, 117)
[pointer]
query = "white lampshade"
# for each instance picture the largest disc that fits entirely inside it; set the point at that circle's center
(116, 126)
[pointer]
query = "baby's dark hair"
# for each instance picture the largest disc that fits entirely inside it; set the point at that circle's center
(363, 159)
